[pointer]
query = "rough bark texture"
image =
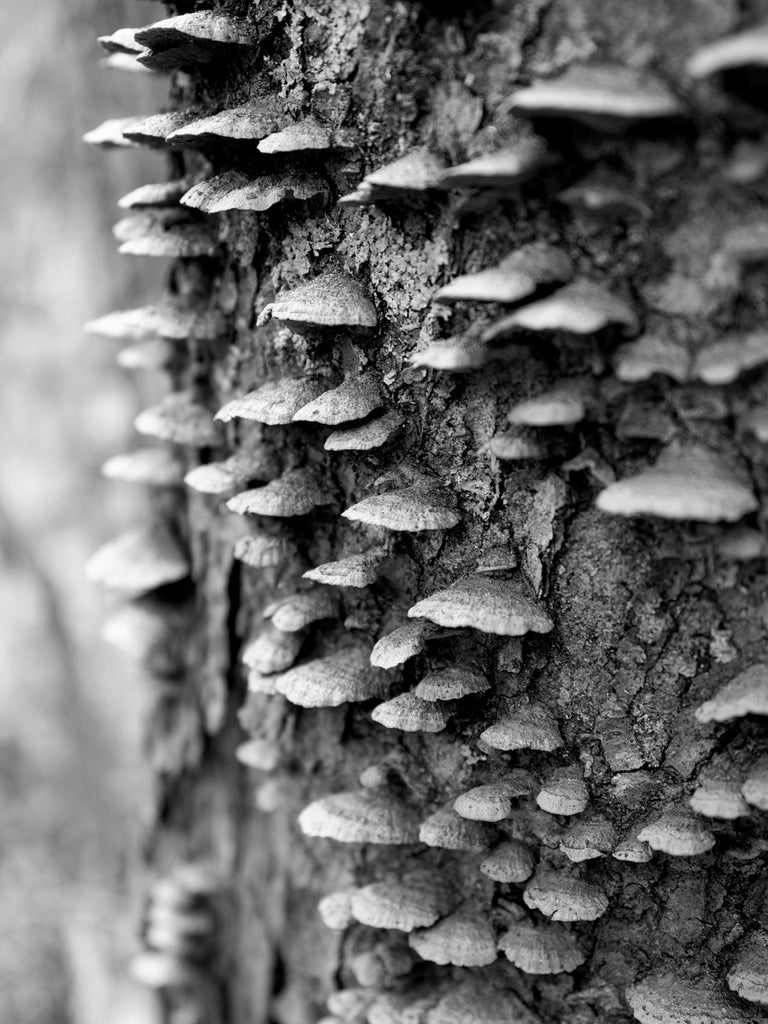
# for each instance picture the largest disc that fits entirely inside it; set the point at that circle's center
(649, 622)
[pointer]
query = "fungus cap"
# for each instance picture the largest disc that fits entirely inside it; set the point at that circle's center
(332, 299)
(452, 355)
(354, 571)
(561, 406)
(502, 607)
(409, 510)
(588, 839)
(720, 798)
(493, 801)
(296, 493)
(273, 403)
(367, 816)
(506, 168)
(410, 713)
(741, 50)
(354, 399)
(684, 483)
(449, 831)
(451, 683)
(297, 611)
(755, 788)
(180, 419)
(138, 561)
(272, 650)
(583, 307)
(510, 863)
(416, 171)
(335, 909)
(651, 354)
(678, 833)
(517, 445)
(563, 792)
(463, 939)
(544, 949)
(745, 694)
(336, 679)
(515, 278)
(400, 645)
(153, 467)
(564, 897)
(165, 319)
(531, 727)
(416, 901)
(669, 999)
(372, 434)
(725, 361)
(247, 123)
(748, 976)
(476, 1002)
(261, 551)
(197, 27)
(306, 134)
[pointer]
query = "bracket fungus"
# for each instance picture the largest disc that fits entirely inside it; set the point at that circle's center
(510, 863)
(402, 644)
(273, 403)
(367, 816)
(493, 801)
(305, 135)
(565, 897)
(410, 510)
(354, 571)
(502, 607)
(607, 97)
(138, 561)
(684, 483)
(417, 171)
(181, 419)
(296, 493)
(196, 27)
(333, 299)
(563, 405)
(740, 50)
(755, 788)
(449, 831)
(297, 611)
(652, 354)
(272, 650)
(410, 713)
(234, 190)
(677, 833)
(725, 361)
(478, 1002)
(261, 550)
(335, 909)
(587, 839)
(518, 276)
(669, 999)
(453, 355)
(161, 193)
(583, 307)
(175, 241)
(563, 792)
(745, 694)
(530, 727)
(245, 124)
(416, 901)
(503, 169)
(748, 976)
(451, 683)
(354, 399)
(720, 798)
(109, 134)
(366, 436)
(165, 319)
(541, 949)
(336, 679)
(463, 938)
(152, 467)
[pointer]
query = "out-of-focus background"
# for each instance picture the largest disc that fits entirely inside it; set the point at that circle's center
(72, 784)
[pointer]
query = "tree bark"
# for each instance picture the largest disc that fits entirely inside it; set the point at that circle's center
(650, 620)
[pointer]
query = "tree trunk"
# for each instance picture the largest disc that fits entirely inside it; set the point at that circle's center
(652, 615)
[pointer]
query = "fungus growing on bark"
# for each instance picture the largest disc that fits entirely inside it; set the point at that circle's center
(608, 97)
(561, 406)
(123, 40)
(408, 510)
(748, 976)
(685, 483)
(719, 797)
(400, 645)
(602, 199)
(296, 493)
(163, 970)
(272, 650)
(124, 62)
(416, 901)
(725, 361)
(417, 171)
(755, 788)
(197, 27)
(109, 134)
(582, 307)
(273, 403)
(747, 162)
(563, 792)
(651, 354)
(335, 909)
(588, 839)
(179, 419)
(541, 949)
(516, 277)
(670, 999)
(328, 682)
(154, 131)
(258, 753)
(333, 299)
(297, 611)
(565, 897)
(305, 135)
(366, 816)
(175, 241)
(261, 550)
(353, 571)
(354, 399)
(372, 434)
(234, 190)
(247, 123)
(463, 938)
(453, 355)
(350, 1004)
(410, 713)
(238, 469)
(450, 683)
(505, 169)
(380, 966)
(493, 801)
(503, 607)
(138, 561)
(633, 850)
(152, 355)
(449, 831)
(530, 727)
(510, 863)
(476, 1002)
(745, 694)
(517, 445)
(144, 630)
(154, 194)
(165, 319)
(742, 50)
(678, 833)
(152, 467)
(741, 544)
